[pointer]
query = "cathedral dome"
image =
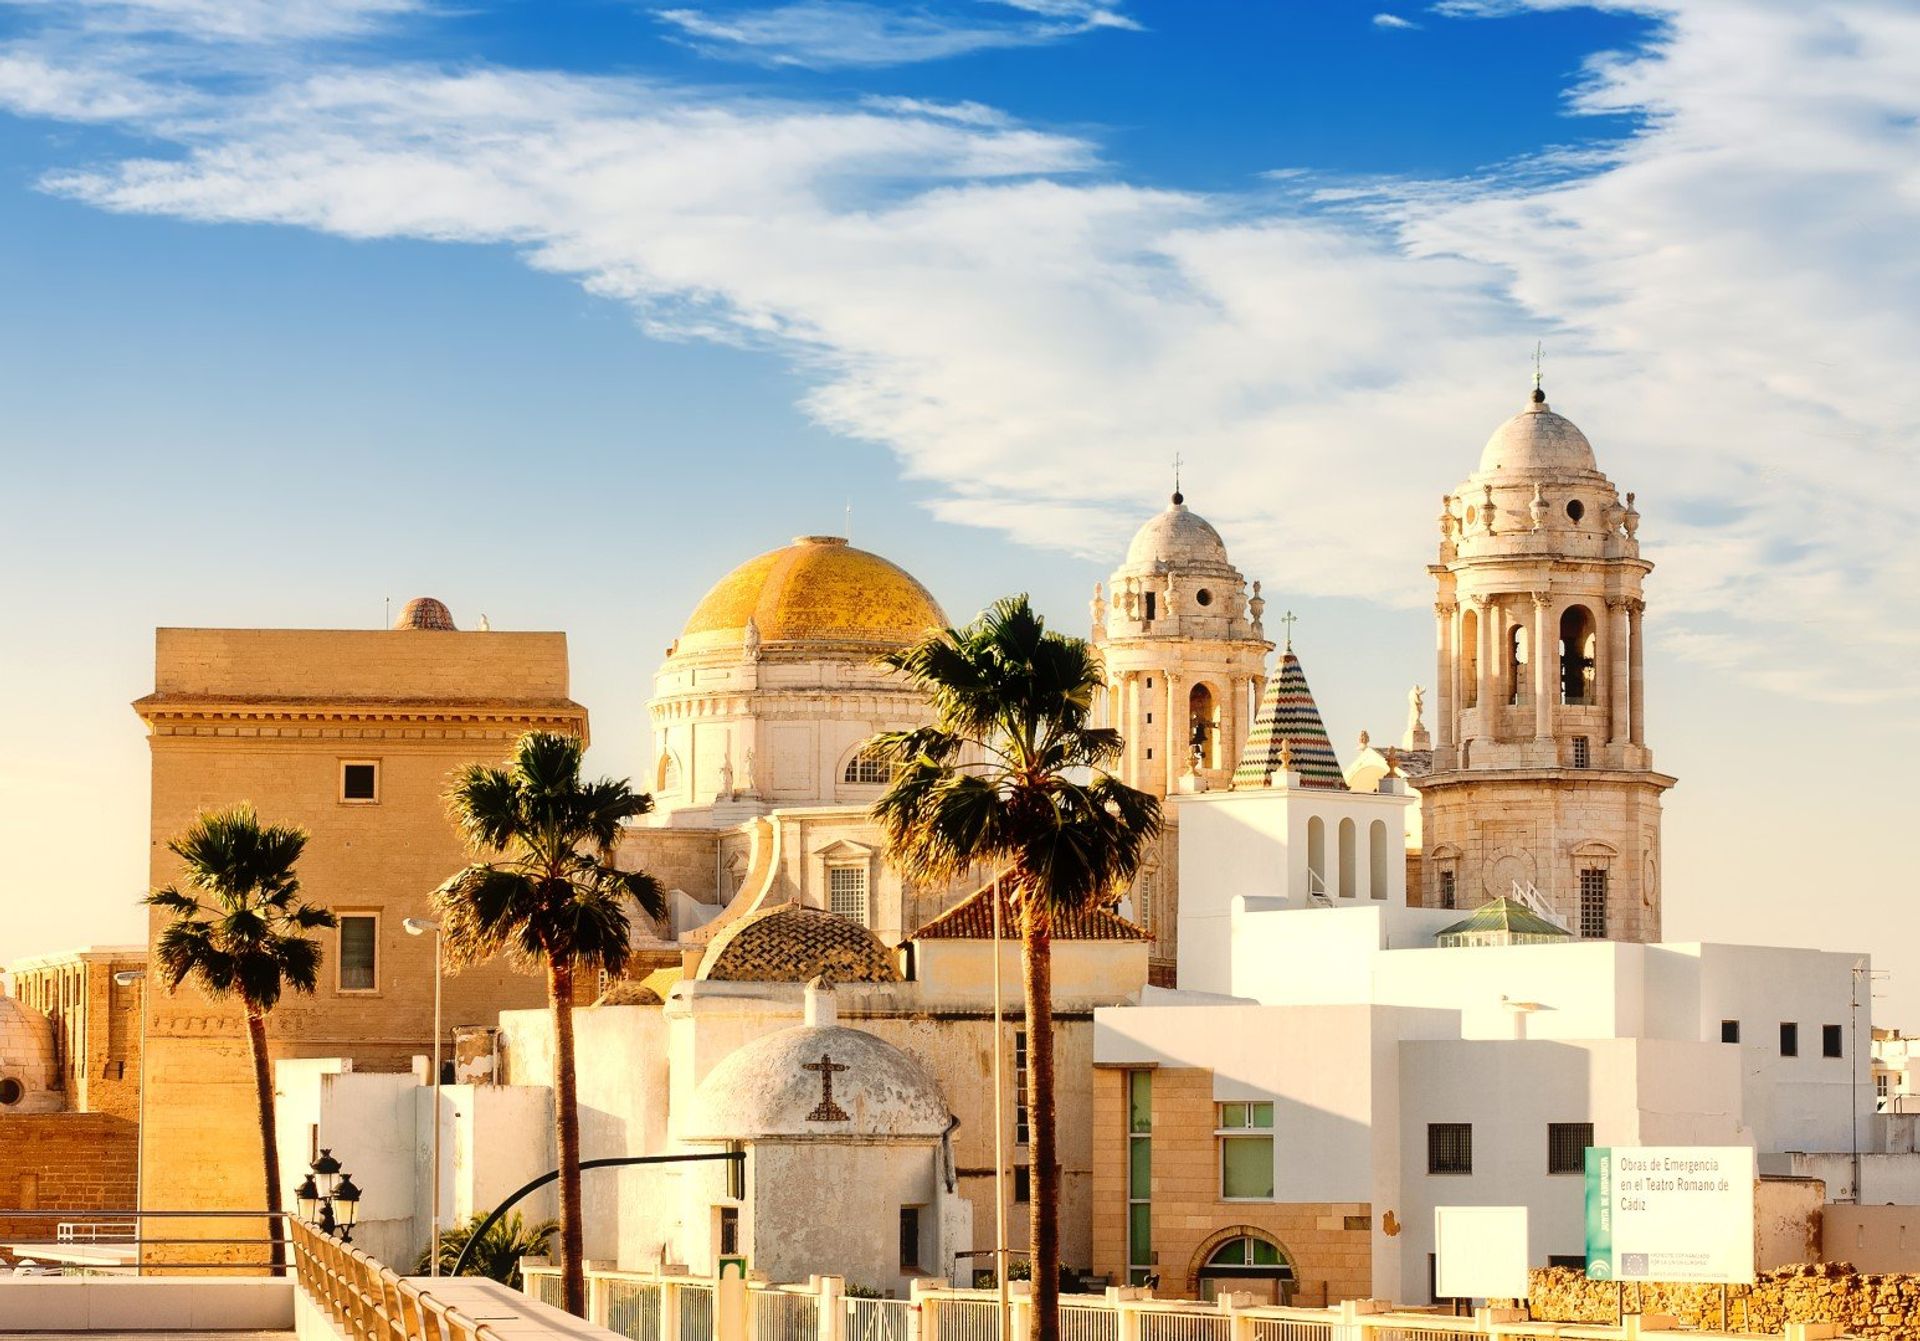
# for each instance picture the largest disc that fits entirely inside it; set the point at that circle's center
(27, 1069)
(424, 612)
(1179, 538)
(818, 589)
(1537, 439)
(779, 1086)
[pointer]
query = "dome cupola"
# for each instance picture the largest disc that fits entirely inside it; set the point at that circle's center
(1178, 538)
(1538, 441)
(819, 589)
(817, 1083)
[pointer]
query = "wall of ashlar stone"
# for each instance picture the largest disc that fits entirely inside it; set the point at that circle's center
(1868, 1306)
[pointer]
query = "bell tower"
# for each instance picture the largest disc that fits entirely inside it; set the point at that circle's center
(1185, 658)
(1542, 779)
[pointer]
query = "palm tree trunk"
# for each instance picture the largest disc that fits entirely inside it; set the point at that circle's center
(566, 1129)
(269, 1133)
(1036, 931)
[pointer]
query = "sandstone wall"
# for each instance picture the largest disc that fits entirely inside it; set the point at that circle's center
(1882, 1307)
(85, 1163)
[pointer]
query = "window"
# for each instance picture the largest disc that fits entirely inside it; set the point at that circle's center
(1729, 1031)
(11, 1092)
(1139, 1176)
(729, 1231)
(1022, 1132)
(1830, 1041)
(847, 892)
(1150, 596)
(866, 767)
(1447, 891)
(1789, 1039)
(1022, 1183)
(1241, 1262)
(360, 781)
(1203, 597)
(1349, 857)
(1582, 752)
(359, 941)
(1246, 1151)
(1881, 1086)
(1449, 1147)
(1567, 1144)
(1576, 655)
(909, 1238)
(1593, 904)
(1575, 509)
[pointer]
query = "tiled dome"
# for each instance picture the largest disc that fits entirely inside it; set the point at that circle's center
(424, 612)
(628, 992)
(795, 943)
(818, 589)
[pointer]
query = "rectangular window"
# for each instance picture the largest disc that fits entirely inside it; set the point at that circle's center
(1789, 1039)
(909, 1238)
(359, 952)
(360, 781)
(1582, 752)
(1593, 904)
(1729, 1031)
(1139, 1176)
(1449, 1147)
(1150, 596)
(847, 892)
(1567, 1144)
(1022, 1131)
(729, 1231)
(1245, 1132)
(1022, 1184)
(1880, 1085)
(1830, 1041)
(1447, 895)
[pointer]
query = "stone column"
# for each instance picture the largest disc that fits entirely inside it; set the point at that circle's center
(1227, 742)
(1176, 735)
(1484, 695)
(1636, 672)
(1130, 725)
(1618, 690)
(1545, 654)
(1443, 681)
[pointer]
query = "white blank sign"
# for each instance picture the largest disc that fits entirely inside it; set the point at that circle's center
(1481, 1252)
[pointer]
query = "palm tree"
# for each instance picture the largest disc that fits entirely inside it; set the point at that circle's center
(549, 898)
(242, 931)
(497, 1255)
(1012, 775)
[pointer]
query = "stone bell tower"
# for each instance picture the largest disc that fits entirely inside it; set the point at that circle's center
(1185, 659)
(1542, 780)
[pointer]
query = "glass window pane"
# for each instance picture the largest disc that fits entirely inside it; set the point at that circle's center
(1246, 1167)
(1139, 1101)
(1140, 1234)
(1140, 1170)
(1233, 1115)
(1262, 1114)
(1265, 1254)
(356, 954)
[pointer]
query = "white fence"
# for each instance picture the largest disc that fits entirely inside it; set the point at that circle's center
(649, 1307)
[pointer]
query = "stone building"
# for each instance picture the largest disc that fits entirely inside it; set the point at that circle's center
(1541, 777)
(1179, 637)
(351, 735)
(95, 1022)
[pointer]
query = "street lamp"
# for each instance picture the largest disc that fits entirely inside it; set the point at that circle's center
(422, 926)
(328, 1198)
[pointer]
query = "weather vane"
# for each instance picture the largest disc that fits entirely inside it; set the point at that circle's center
(1538, 351)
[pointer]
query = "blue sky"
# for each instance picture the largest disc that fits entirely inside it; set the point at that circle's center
(306, 305)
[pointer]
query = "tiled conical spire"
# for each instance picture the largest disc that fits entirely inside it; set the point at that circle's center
(1288, 718)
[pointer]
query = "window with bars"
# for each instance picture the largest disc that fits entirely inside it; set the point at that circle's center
(1593, 903)
(1140, 1263)
(1582, 752)
(1448, 897)
(1245, 1132)
(1449, 1147)
(1567, 1144)
(866, 767)
(1021, 1128)
(847, 892)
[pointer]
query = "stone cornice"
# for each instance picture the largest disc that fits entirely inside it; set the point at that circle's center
(1467, 777)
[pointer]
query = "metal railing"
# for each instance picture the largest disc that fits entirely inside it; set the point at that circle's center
(122, 1242)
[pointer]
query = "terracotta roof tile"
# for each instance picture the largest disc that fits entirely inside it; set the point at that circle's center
(972, 920)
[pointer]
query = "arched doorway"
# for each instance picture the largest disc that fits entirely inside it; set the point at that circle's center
(1245, 1262)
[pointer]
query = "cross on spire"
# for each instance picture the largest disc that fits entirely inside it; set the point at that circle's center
(1177, 495)
(1289, 619)
(826, 1110)
(1539, 352)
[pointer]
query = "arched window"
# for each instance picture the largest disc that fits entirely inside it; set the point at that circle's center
(1377, 860)
(1576, 655)
(1247, 1263)
(1349, 857)
(1470, 658)
(1203, 730)
(1517, 689)
(1316, 856)
(669, 774)
(866, 767)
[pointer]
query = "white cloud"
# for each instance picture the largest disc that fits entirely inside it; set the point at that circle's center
(831, 33)
(1730, 299)
(229, 20)
(1395, 22)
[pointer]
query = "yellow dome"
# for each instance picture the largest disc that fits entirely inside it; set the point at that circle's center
(818, 589)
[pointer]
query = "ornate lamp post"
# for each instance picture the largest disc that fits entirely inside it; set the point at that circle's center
(328, 1198)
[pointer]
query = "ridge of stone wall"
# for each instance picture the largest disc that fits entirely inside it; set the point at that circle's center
(1881, 1307)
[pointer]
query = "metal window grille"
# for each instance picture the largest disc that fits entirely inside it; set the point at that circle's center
(847, 892)
(1449, 1147)
(1447, 890)
(1830, 1041)
(1567, 1144)
(1593, 904)
(867, 767)
(1582, 752)
(1022, 1133)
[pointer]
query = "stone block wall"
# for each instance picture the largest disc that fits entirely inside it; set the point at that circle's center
(85, 1163)
(1879, 1307)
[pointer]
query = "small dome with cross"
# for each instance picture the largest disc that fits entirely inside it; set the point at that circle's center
(817, 1083)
